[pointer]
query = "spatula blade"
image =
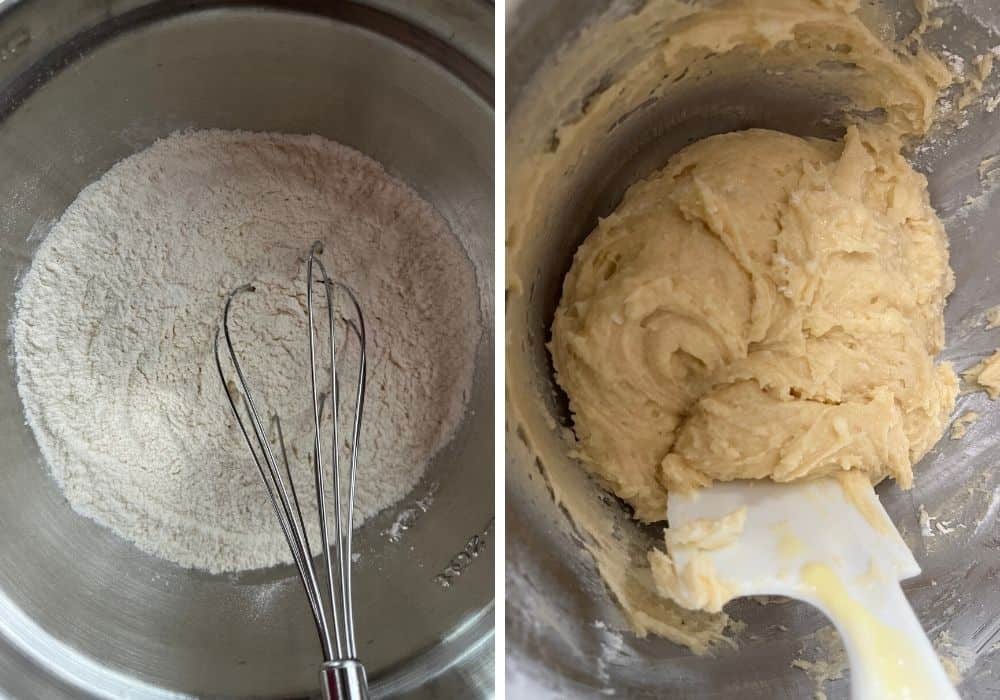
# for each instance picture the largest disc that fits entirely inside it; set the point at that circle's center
(790, 525)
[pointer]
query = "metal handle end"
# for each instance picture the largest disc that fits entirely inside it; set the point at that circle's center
(344, 679)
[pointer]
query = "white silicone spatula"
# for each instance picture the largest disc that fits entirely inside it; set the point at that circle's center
(811, 541)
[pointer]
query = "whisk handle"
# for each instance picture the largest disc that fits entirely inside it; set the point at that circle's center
(343, 680)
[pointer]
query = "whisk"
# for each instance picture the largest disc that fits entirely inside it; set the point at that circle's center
(342, 676)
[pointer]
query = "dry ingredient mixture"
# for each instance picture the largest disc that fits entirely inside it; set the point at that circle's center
(115, 319)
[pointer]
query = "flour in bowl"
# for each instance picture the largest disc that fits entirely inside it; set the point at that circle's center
(115, 318)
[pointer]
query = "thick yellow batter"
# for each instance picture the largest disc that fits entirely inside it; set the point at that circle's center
(766, 306)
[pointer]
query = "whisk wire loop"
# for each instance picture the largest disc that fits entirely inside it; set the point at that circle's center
(359, 405)
(293, 528)
(318, 467)
(334, 624)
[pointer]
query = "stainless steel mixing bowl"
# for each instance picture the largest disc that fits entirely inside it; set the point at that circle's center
(83, 84)
(554, 593)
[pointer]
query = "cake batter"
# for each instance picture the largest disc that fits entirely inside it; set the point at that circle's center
(766, 306)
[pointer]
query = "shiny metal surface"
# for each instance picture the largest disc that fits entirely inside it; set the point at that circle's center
(343, 680)
(554, 593)
(83, 84)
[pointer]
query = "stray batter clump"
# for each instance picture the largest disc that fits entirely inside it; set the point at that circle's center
(764, 307)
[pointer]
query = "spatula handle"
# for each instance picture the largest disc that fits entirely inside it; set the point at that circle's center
(890, 655)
